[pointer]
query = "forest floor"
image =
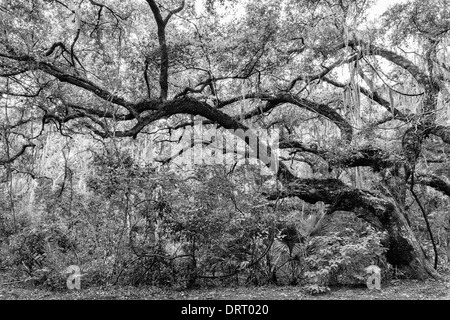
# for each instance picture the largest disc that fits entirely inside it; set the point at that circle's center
(393, 290)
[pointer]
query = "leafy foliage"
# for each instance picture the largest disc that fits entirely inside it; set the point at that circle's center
(200, 229)
(95, 97)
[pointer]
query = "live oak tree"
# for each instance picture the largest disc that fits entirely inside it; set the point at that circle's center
(351, 98)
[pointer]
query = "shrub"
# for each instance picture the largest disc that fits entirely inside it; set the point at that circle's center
(341, 257)
(42, 254)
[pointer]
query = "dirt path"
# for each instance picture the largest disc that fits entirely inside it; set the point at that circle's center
(395, 290)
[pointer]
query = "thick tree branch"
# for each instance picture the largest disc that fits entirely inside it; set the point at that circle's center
(371, 49)
(435, 182)
(172, 12)
(17, 155)
(281, 98)
(147, 82)
(372, 157)
(164, 55)
(75, 80)
(327, 69)
(339, 196)
(374, 96)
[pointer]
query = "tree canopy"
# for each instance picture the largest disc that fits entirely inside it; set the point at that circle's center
(361, 104)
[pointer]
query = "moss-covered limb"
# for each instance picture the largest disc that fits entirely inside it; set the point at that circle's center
(365, 157)
(373, 208)
(368, 156)
(437, 183)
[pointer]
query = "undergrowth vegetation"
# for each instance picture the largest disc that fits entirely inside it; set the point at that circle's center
(136, 226)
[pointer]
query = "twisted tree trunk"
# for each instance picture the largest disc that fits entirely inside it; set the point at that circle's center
(382, 212)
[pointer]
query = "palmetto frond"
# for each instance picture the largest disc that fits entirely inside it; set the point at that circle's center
(282, 253)
(313, 225)
(293, 241)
